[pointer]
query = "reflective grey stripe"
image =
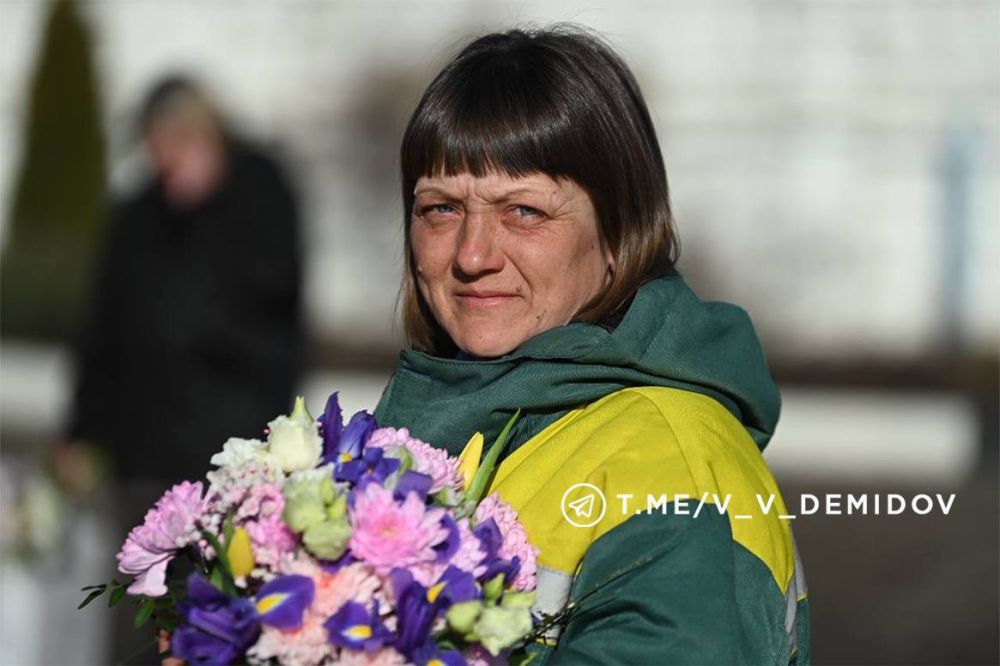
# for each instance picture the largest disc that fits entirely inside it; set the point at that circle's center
(554, 588)
(552, 595)
(796, 589)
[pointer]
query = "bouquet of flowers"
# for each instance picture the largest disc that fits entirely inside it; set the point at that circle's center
(331, 543)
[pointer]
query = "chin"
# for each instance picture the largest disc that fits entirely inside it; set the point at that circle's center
(490, 347)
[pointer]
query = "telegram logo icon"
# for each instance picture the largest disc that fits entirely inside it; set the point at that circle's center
(583, 505)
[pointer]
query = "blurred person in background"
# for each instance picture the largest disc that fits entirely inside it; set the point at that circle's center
(195, 329)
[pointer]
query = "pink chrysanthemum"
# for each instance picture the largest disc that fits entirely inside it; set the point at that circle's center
(169, 526)
(515, 538)
(427, 459)
(388, 534)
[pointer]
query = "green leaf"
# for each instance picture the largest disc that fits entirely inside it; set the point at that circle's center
(216, 579)
(116, 596)
(165, 602)
(90, 597)
(166, 623)
(228, 528)
(228, 586)
(519, 658)
(482, 478)
(145, 611)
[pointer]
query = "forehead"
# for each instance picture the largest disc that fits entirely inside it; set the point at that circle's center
(493, 185)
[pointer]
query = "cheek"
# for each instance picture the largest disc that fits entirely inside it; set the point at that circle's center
(579, 276)
(590, 256)
(431, 252)
(579, 261)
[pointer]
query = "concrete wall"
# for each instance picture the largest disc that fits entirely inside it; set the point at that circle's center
(834, 166)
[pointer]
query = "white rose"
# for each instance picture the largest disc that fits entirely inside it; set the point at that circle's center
(294, 442)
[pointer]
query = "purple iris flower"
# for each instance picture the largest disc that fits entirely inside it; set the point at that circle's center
(412, 482)
(498, 565)
(491, 539)
(414, 612)
(331, 425)
(282, 602)
(418, 606)
(431, 653)
(372, 467)
(342, 445)
(355, 627)
(454, 586)
(217, 629)
(447, 548)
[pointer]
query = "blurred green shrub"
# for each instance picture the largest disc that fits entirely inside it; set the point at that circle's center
(57, 211)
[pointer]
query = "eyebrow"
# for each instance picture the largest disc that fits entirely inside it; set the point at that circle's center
(417, 191)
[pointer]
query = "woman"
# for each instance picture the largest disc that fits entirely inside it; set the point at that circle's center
(539, 251)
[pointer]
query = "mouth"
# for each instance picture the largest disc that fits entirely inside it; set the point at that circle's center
(484, 298)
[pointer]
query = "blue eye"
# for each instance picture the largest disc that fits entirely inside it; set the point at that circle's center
(438, 209)
(528, 211)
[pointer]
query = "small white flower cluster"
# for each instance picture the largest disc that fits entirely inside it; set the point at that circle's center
(242, 464)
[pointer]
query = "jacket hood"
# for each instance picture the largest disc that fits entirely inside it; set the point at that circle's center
(668, 337)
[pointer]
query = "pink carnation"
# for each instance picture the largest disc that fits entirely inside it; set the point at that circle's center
(169, 526)
(304, 646)
(271, 539)
(259, 512)
(515, 538)
(391, 534)
(354, 582)
(427, 459)
(384, 657)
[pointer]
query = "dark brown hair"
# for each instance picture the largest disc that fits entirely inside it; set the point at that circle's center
(561, 102)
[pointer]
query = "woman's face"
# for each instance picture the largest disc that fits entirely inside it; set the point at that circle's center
(500, 259)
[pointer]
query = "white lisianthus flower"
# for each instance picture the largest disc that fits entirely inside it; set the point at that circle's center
(238, 452)
(500, 627)
(294, 442)
(315, 475)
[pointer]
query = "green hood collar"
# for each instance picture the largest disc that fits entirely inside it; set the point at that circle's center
(667, 338)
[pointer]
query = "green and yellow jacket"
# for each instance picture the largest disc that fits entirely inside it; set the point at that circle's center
(675, 552)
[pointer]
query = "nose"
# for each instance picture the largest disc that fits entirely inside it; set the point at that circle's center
(478, 251)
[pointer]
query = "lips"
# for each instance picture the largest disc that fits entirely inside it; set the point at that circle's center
(484, 298)
(484, 294)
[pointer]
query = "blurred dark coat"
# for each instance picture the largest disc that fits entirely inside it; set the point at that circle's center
(195, 334)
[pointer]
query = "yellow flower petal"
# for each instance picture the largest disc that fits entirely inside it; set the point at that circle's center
(264, 604)
(470, 457)
(240, 553)
(434, 591)
(358, 632)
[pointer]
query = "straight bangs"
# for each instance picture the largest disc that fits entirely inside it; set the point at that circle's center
(494, 119)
